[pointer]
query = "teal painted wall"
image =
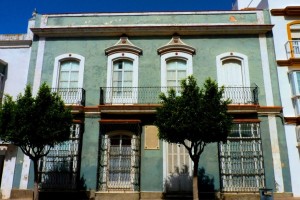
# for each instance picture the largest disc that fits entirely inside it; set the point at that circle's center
(18, 169)
(89, 156)
(124, 19)
(151, 167)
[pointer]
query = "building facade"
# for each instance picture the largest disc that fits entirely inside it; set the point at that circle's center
(110, 68)
(285, 15)
(15, 50)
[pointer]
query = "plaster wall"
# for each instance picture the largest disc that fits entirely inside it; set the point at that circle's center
(17, 60)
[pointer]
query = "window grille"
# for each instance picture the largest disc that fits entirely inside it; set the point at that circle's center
(241, 159)
(119, 162)
(60, 168)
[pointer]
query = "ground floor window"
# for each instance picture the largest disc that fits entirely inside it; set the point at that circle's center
(60, 168)
(241, 159)
(179, 169)
(119, 161)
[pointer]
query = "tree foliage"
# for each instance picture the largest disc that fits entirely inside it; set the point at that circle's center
(195, 118)
(35, 123)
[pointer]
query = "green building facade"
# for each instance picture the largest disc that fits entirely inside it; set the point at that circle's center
(109, 68)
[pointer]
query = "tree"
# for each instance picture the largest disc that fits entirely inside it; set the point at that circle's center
(194, 119)
(35, 124)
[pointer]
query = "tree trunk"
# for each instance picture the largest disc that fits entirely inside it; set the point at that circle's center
(195, 180)
(36, 180)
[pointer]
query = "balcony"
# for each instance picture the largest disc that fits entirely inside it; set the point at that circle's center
(150, 95)
(292, 48)
(71, 96)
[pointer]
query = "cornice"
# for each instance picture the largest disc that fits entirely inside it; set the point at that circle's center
(15, 43)
(289, 62)
(153, 30)
(292, 120)
(123, 45)
(175, 44)
(287, 11)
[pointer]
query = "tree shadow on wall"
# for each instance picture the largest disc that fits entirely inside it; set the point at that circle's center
(206, 187)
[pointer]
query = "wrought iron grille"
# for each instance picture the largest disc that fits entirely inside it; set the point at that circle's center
(241, 159)
(75, 96)
(150, 95)
(60, 168)
(119, 162)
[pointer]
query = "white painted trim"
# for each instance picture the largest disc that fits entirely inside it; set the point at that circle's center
(25, 172)
(266, 70)
(276, 154)
(38, 66)
(8, 171)
(149, 13)
(165, 160)
(175, 55)
(64, 57)
(233, 55)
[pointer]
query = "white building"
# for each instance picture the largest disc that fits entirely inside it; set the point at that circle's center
(285, 15)
(15, 52)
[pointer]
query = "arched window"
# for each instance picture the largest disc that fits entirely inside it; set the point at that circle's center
(122, 78)
(122, 72)
(294, 38)
(119, 161)
(233, 73)
(68, 78)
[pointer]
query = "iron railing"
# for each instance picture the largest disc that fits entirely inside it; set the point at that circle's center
(292, 48)
(73, 96)
(150, 95)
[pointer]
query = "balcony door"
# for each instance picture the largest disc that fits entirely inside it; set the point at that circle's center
(68, 78)
(176, 71)
(234, 76)
(122, 91)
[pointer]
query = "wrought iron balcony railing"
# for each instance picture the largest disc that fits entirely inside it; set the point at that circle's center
(71, 96)
(292, 48)
(150, 95)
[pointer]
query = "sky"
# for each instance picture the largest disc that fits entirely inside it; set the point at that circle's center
(14, 14)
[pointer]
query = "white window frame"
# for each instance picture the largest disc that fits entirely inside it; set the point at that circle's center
(175, 55)
(110, 62)
(236, 56)
(295, 90)
(65, 57)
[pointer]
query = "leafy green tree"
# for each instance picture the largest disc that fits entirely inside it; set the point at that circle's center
(194, 119)
(35, 124)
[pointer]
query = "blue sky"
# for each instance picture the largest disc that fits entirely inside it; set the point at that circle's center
(14, 14)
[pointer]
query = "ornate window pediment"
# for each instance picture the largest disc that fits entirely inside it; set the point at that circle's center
(176, 45)
(124, 46)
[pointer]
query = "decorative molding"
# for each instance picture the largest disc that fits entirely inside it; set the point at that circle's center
(287, 11)
(124, 45)
(292, 120)
(176, 45)
(15, 43)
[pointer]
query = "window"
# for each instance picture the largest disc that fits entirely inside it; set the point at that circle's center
(176, 62)
(241, 159)
(60, 168)
(233, 73)
(122, 78)
(122, 73)
(3, 68)
(119, 164)
(294, 39)
(68, 78)
(122, 81)
(295, 84)
(179, 169)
